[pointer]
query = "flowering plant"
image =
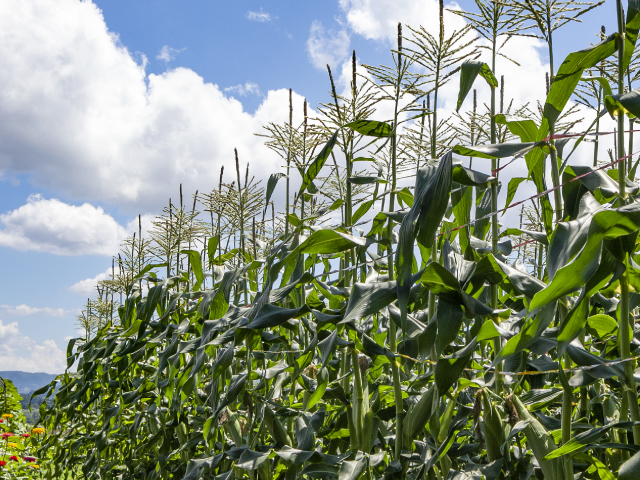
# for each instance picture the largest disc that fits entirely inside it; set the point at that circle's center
(18, 441)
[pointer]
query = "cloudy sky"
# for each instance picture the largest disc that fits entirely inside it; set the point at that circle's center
(107, 106)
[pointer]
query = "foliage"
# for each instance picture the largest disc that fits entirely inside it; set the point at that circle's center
(18, 444)
(377, 329)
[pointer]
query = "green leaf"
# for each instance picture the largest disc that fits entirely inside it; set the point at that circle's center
(540, 237)
(449, 369)
(449, 319)
(498, 150)
(366, 180)
(362, 210)
(469, 177)
(630, 470)
(327, 241)
(540, 441)
(524, 128)
(369, 298)
(514, 183)
(196, 267)
(352, 469)
(631, 32)
(371, 128)
(212, 245)
(625, 104)
(469, 71)
(271, 185)
(314, 169)
(272, 316)
(568, 76)
(608, 224)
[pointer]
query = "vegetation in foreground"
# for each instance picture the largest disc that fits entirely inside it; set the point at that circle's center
(385, 325)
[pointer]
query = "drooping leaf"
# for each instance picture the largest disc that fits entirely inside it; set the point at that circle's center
(448, 369)
(371, 128)
(469, 71)
(271, 185)
(314, 169)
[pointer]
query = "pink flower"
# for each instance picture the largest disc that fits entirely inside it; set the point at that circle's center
(26, 435)
(29, 459)
(7, 435)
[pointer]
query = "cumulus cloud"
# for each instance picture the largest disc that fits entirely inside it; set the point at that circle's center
(87, 287)
(168, 54)
(248, 88)
(378, 19)
(327, 47)
(81, 117)
(24, 310)
(19, 352)
(259, 16)
(56, 227)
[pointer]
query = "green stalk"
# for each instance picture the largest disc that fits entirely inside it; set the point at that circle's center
(286, 216)
(625, 341)
(494, 200)
(393, 337)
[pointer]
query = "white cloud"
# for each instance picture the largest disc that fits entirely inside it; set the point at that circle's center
(378, 19)
(9, 330)
(168, 54)
(327, 48)
(259, 16)
(24, 310)
(19, 352)
(80, 117)
(56, 227)
(87, 287)
(248, 88)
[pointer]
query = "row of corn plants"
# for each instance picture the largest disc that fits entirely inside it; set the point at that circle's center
(364, 314)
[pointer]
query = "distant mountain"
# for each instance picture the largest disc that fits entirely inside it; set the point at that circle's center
(27, 382)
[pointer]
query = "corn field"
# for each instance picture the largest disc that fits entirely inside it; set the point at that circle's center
(364, 314)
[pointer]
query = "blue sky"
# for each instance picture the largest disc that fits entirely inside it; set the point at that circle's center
(106, 107)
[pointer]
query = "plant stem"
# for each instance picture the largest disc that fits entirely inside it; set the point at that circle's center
(625, 341)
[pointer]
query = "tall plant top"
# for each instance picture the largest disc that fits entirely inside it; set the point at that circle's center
(364, 314)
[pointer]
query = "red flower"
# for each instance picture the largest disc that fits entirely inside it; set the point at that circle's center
(2, 463)
(29, 459)
(7, 435)
(1, 420)
(26, 435)
(14, 458)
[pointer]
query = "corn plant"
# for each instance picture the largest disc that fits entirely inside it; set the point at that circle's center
(376, 329)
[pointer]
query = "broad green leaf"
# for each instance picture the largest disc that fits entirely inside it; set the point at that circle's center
(448, 369)
(568, 76)
(449, 318)
(607, 224)
(352, 469)
(365, 180)
(369, 298)
(469, 71)
(371, 128)
(514, 183)
(540, 442)
(271, 185)
(540, 237)
(524, 128)
(631, 32)
(498, 150)
(328, 241)
(466, 176)
(625, 104)
(314, 169)
(196, 267)
(630, 470)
